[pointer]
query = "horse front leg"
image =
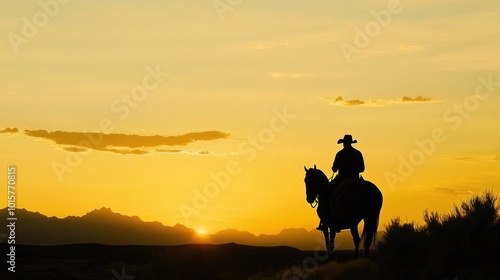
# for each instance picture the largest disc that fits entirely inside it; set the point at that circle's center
(356, 239)
(329, 245)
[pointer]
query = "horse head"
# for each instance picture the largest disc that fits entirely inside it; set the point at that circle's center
(315, 181)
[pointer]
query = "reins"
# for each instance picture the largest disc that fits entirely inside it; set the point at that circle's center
(331, 178)
(317, 202)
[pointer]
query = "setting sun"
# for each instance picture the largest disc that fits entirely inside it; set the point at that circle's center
(201, 232)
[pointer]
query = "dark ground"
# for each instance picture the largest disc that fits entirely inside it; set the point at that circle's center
(95, 261)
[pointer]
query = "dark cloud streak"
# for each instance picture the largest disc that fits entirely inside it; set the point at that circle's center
(416, 99)
(100, 140)
(120, 143)
(9, 130)
(340, 101)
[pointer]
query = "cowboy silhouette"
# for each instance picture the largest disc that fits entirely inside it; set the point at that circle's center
(349, 163)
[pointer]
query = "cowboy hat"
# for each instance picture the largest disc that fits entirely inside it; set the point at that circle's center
(347, 139)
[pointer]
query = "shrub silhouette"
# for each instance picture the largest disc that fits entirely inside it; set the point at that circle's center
(464, 244)
(403, 249)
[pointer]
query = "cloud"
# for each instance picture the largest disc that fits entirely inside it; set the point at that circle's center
(288, 75)
(450, 191)
(410, 48)
(416, 99)
(466, 158)
(120, 143)
(356, 102)
(9, 130)
(261, 46)
(474, 159)
(126, 151)
(170, 151)
(176, 151)
(340, 101)
(123, 140)
(277, 74)
(75, 149)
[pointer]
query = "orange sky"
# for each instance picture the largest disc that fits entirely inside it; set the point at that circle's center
(204, 114)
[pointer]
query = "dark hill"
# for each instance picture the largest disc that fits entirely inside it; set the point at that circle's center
(195, 261)
(103, 226)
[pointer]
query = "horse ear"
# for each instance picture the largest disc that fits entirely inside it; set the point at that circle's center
(315, 166)
(305, 168)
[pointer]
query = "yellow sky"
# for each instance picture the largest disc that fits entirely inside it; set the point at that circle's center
(205, 113)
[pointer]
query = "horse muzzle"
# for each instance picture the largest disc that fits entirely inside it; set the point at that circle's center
(310, 199)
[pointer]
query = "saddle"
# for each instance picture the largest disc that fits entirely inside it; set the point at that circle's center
(341, 200)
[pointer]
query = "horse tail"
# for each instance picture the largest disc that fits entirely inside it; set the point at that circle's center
(370, 232)
(372, 215)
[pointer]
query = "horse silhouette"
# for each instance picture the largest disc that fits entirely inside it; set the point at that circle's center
(344, 207)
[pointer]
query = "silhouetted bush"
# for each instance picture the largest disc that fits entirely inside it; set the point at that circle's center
(403, 249)
(464, 244)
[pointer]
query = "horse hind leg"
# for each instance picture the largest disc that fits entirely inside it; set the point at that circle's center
(368, 243)
(356, 239)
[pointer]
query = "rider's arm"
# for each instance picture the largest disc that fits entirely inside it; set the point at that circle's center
(335, 167)
(361, 162)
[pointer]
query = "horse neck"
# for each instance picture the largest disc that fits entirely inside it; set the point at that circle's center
(322, 185)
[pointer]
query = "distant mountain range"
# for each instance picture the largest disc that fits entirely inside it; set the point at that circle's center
(103, 226)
